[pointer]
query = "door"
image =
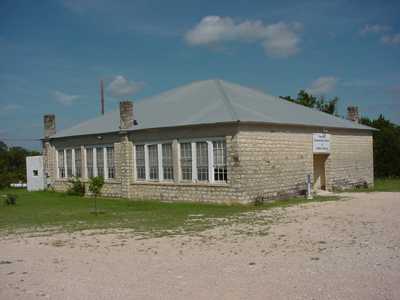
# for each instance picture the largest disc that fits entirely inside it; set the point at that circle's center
(319, 171)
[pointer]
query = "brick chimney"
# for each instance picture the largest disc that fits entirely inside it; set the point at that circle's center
(126, 114)
(352, 114)
(49, 124)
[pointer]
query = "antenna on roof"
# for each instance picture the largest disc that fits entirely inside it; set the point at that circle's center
(102, 96)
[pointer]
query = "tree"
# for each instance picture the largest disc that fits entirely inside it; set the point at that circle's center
(95, 186)
(13, 164)
(320, 103)
(386, 147)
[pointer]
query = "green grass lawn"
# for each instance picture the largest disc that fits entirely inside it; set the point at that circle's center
(382, 185)
(51, 211)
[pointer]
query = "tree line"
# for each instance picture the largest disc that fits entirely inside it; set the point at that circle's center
(13, 164)
(386, 139)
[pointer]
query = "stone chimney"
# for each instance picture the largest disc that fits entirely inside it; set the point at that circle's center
(126, 115)
(49, 124)
(352, 114)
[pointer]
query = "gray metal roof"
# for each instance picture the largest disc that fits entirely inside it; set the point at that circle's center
(208, 102)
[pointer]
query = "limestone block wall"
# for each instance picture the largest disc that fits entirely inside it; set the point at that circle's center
(351, 160)
(274, 161)
(262, 160)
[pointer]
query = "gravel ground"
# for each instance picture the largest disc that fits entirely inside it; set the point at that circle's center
(333, 250)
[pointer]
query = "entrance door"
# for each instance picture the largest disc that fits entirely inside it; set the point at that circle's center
(319, 171)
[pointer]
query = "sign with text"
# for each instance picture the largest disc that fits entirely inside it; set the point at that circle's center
(321, 143)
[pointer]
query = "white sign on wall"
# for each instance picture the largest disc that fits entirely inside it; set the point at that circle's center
(321, 143)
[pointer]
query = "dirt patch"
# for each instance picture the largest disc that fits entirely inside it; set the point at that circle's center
(331, 250)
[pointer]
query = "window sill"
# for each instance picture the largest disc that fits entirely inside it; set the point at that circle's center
(181, 183)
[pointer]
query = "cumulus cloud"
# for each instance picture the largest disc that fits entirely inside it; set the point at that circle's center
(120, 87)
(393, 39)
(279, 39)
(64, 98)
(376, 28)
(322, 85)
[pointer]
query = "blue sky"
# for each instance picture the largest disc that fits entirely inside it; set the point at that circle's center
(53, 54)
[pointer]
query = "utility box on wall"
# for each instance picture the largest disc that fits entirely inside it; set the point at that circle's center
(34, 173)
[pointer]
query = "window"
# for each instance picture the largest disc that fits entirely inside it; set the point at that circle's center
(219, 152)
(167, 163)
(100, 161)
(153, 162)
(202, 161)
(61, 167)
(89, 162)
(186, 161)
(140, 163)
(110, 162)
(78, 162)
(69, 162)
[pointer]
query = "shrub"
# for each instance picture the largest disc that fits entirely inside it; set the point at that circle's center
(77, 188)
(95, 185)
(10, 199)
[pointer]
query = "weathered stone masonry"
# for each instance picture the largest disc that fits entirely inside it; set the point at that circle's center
(262, 160)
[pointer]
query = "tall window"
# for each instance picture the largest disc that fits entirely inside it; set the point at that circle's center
(61, 167)
(186, 161)
(220, 170)
(100, 161)
(89, 162)
(167, 164)
(110, 162)
(69, 162)
(153, 162)
(140, 162)
(78, 162)
(202, 161)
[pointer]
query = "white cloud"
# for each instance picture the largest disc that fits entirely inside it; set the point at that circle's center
(393, 39)
(120, 87)
(376, 28)
(322, 85)
(279, 39)
(65, 99)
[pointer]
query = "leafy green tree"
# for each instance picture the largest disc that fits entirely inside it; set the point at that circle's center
(95, 186)
(320, 103)
(13, 164)
(386, 147)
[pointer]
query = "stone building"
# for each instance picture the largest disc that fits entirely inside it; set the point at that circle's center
(211, 141)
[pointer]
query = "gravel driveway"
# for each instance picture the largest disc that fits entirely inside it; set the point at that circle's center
(346, 249)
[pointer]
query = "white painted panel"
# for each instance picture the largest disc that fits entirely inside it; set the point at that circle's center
(34, 173)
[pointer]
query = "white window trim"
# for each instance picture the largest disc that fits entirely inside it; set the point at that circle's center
(65, 164)
(160, 166)
(58, 170)
(73, 162)
(146, 162)
(210, 161)
(194, 161)
(105, 163)
(193, 142)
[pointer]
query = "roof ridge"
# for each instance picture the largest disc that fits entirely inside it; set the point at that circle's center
(227, 101)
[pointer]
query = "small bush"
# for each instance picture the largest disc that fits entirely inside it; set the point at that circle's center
(77, 188)
(95, 186)
(10, 199)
